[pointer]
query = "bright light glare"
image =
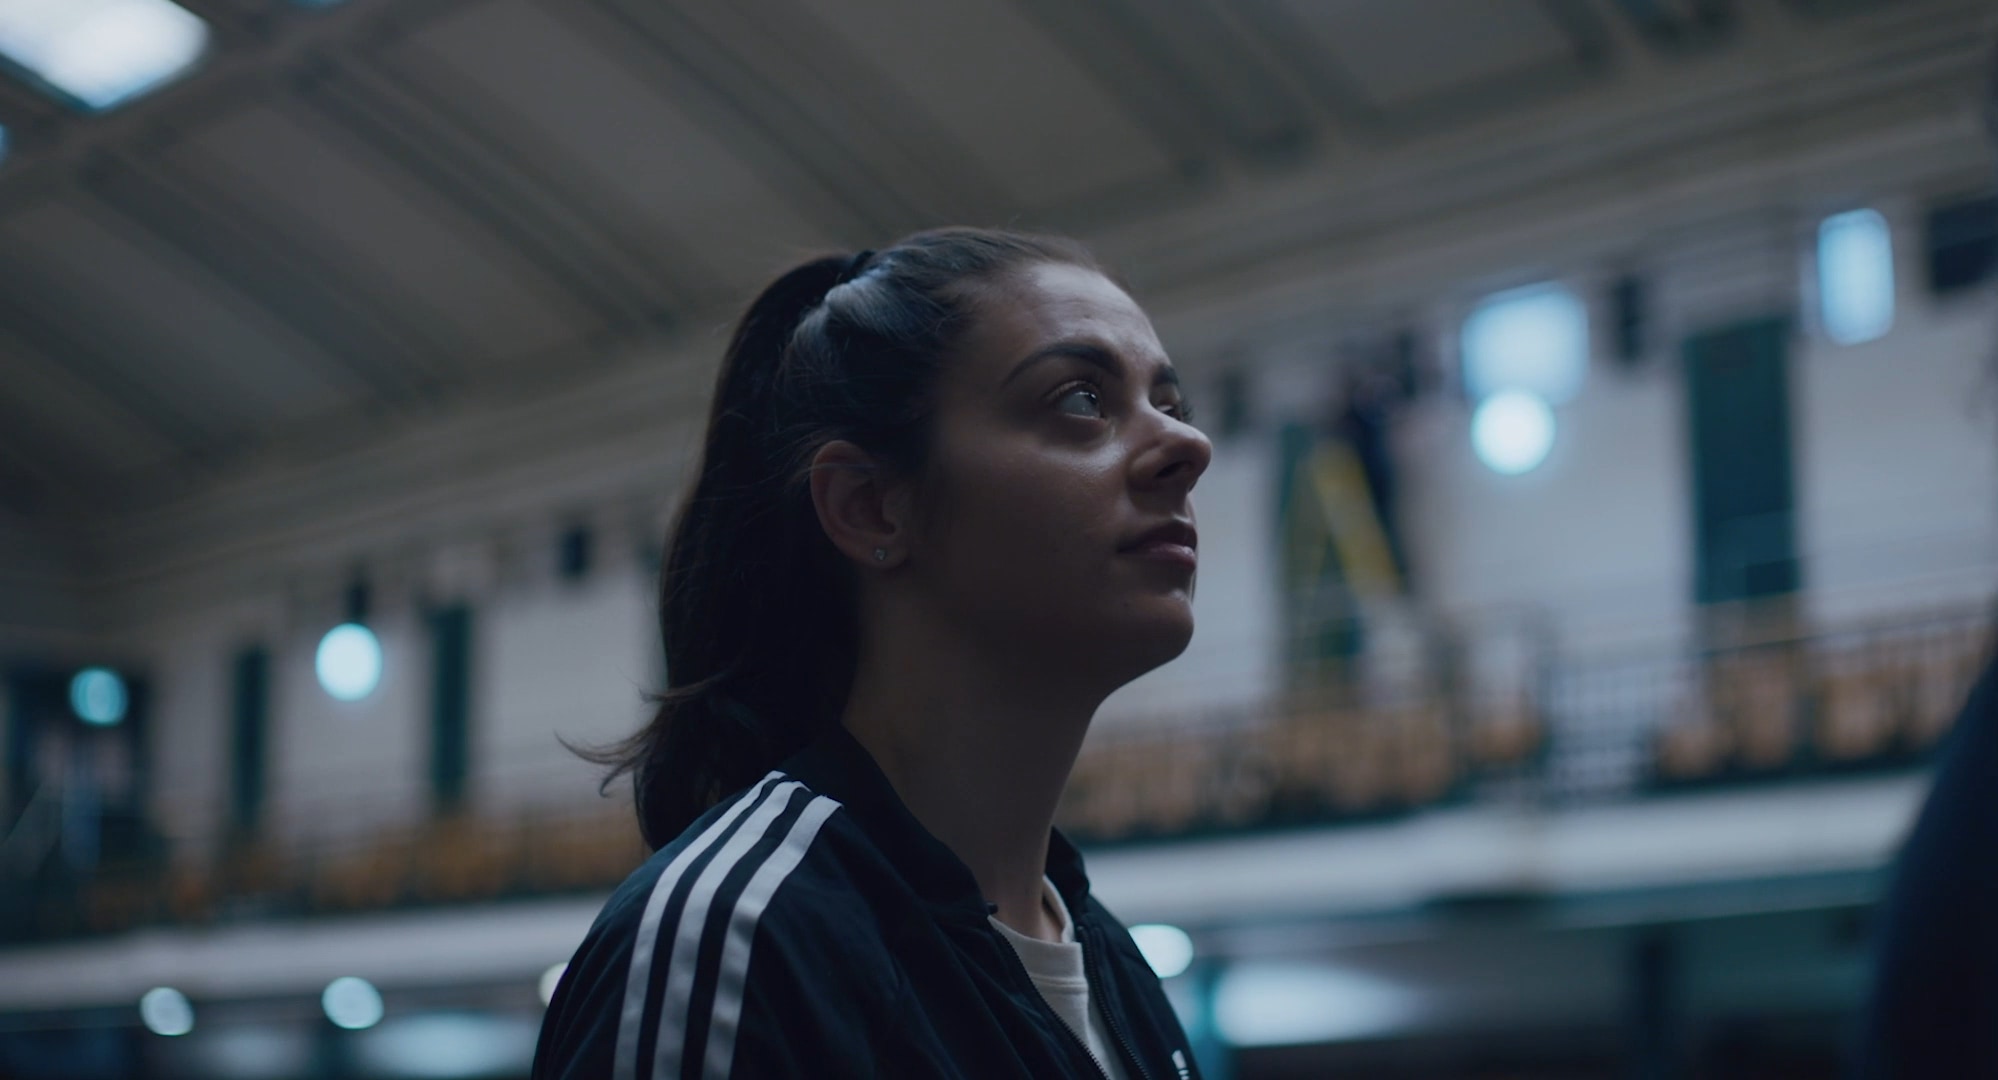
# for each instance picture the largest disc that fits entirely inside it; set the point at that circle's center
(550, 979)
(166, 1011)
(1292, 1004)
(352, 1003)
(1856, 276)
(101, 52)
(1512, 432)
(1534, 339)
(1166, 948)
(349, 662)
(97, 696)
(448, 1046)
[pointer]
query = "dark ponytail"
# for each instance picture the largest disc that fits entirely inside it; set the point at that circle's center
(756, 607)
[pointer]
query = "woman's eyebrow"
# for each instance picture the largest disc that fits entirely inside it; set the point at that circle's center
(1095, 355)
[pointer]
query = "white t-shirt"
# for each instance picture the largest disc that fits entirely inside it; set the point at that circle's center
(1057, 971)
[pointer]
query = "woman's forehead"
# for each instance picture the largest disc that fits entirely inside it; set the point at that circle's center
(1055, 301)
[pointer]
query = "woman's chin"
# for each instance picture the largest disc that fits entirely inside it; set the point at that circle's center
(1157, 630)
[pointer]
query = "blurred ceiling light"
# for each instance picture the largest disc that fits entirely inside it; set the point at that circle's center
(99, 53)
(1512, 432)
(352, 1003)
(1166, 948)
(166, 1011)
(349, 662)
(1271, 1004)
(97, 696)
(1856, 276)
(1534, 339)
(551, 979)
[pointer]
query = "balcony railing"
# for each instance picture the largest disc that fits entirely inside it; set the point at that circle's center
(1336, 746)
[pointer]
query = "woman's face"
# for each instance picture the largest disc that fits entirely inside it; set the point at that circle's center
(1058, 521)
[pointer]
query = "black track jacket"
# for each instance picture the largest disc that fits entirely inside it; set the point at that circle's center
(810, 927)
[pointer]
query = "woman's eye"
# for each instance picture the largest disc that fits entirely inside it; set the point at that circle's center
(1081, 401)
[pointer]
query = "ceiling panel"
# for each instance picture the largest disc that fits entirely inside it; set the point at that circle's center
(224, 354)
(1395, 60)
(1019, 104)
(67, 426)
(382, 228)
(588, 117)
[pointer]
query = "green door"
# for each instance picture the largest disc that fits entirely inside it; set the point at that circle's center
(1744, 504)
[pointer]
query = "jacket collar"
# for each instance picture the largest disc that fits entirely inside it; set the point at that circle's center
(839, 767)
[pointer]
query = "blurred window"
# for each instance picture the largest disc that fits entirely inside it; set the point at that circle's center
(450, 706)
(1962, 244)
(1534, 340)
(100, 53)
(250, 737)
(1744, 488)
(1855, 276)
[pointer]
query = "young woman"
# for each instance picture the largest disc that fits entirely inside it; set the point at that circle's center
(942, 512)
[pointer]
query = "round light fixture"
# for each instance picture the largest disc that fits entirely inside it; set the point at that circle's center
(352, 1003)
(97, 696)
(551, 979)
(1512, 432)
(349, 662)
(166, 1011)
(1166, 948)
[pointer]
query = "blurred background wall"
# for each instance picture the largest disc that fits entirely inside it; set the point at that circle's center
(1602, 532)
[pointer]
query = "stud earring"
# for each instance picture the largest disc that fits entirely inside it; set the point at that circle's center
(880, 554)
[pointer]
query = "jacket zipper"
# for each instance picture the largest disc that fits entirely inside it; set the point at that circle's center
(1092, 950)
(1075, 1037)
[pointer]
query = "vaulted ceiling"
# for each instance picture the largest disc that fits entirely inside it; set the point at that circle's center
(356, 214)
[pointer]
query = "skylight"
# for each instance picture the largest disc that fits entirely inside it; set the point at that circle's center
(100, 53)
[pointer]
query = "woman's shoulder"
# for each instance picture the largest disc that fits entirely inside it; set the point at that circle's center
(750, 904)
(772, 862)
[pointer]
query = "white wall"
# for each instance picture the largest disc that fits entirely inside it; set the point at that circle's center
(549, 659)
(340, 769)
(1598, 535)
(1898, 457)
(559, 661)
(1895, 450)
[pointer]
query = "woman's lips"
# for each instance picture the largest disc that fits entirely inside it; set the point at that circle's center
(1166, 551)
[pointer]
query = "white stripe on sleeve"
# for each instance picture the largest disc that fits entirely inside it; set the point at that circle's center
(679, 989)
(632, 1017)
(742, 934)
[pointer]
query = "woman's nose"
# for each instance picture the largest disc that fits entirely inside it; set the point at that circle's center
(1176, 458)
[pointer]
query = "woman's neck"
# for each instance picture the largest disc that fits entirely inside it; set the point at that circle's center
(978, 758)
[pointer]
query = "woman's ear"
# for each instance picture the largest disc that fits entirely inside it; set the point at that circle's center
(863, 511)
